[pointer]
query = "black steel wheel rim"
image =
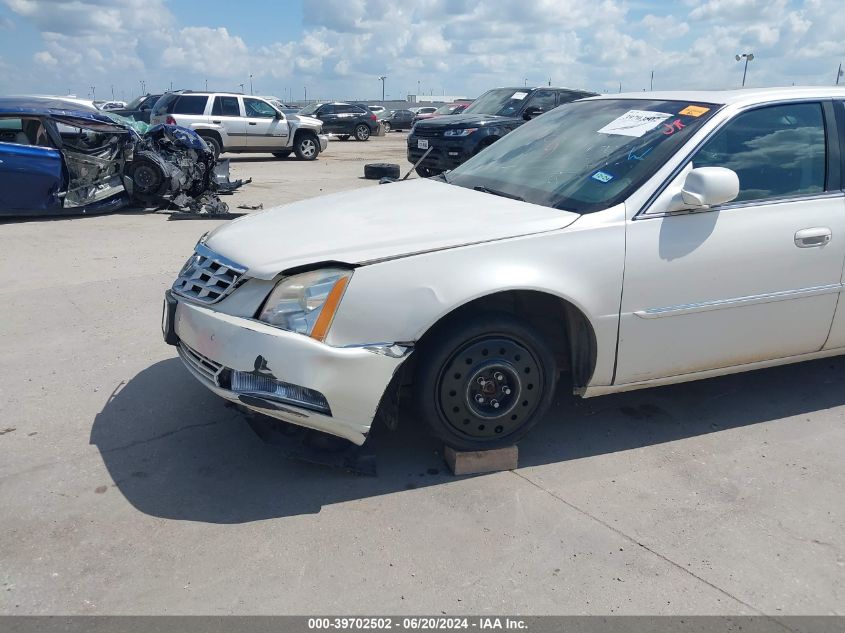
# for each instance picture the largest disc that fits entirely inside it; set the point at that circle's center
(146, 178)
(489, 388)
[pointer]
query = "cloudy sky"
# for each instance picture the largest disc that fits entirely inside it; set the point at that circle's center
(338, 48)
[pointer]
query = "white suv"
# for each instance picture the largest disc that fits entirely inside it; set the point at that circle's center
(231, 122)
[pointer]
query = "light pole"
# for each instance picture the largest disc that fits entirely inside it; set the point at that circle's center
(382, 79)
(525, 81)
(305, 88)
(839, 73)
(651, 83)
(748, 57)
(242, 88)
(250, 84)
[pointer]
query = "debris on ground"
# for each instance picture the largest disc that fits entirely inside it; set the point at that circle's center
(252, 207)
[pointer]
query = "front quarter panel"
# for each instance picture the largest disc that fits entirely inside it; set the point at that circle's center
(400, 300)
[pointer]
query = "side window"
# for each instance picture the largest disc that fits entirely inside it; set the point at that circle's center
(225, 106)
(565, 96)
(327, 109)
(258, 109)
(776, 151)
(190, 104)
(543, 99)
(347, 109)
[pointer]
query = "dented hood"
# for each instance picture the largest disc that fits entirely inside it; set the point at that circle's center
(375, 223)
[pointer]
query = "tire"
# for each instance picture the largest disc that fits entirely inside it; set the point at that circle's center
(284, 154)
(148, 179)
(344, 137)
(213, 144)
(377, 171)
(484, 383)
(362, 132)
(425, 172)
(307, 147)
(386, 125)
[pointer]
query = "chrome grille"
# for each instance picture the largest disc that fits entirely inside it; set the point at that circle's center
(202, 364)
(208, 277)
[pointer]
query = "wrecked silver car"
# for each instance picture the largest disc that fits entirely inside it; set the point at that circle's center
(56, 161)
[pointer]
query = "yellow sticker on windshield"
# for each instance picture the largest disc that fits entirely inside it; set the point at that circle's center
(692, 110)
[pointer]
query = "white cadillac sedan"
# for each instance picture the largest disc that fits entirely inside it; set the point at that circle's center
(611, 244)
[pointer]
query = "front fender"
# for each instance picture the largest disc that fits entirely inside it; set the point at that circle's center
(401, 299)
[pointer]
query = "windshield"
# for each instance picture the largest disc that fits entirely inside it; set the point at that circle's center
(447, 109)
(499, 102)
(135, 103)
(586, 155)
(310, 109)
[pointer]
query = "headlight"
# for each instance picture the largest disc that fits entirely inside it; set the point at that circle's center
(306, 303)
(462, 132)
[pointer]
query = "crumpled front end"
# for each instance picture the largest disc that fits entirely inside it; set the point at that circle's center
(173, 166)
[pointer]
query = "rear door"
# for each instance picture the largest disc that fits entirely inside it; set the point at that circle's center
(266, 128)
(227, 116)
(348, 116)
(328, 115)
(30, 176)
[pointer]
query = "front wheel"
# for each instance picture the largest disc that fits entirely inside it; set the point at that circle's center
(425, 172)
(386, 125)
(486, 383)
(362, 132)
(306, 147)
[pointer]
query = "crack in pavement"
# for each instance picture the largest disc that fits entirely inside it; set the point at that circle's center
(642, 545)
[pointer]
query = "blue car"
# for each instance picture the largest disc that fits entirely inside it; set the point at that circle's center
(57, 160)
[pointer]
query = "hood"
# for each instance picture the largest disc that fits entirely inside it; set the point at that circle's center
(305, 120)
(374, 223)
(465, 120)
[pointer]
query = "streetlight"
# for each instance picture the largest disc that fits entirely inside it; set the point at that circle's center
(748, 57)
(305, 88)
(525, 81)
(250, 84)
(382, 79)
(242, 88)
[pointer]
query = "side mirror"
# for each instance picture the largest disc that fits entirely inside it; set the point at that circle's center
(279, 115)
(531, 112)
(705, 187)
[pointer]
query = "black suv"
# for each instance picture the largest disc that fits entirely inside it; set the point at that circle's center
(344, 119)
(139, 108)
(454, 139)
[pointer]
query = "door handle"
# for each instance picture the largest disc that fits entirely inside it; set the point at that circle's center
(251, 123)
(816, 236)
(217, 122)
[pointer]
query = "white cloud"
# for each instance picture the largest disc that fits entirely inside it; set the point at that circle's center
(460, 46)
(45, 58)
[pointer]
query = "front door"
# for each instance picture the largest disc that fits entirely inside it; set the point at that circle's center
(265, 127)
(752, 280)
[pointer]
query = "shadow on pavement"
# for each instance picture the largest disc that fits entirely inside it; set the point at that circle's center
(177, 451)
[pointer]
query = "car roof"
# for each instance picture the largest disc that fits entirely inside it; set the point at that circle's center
(744, 96)
(47, 106)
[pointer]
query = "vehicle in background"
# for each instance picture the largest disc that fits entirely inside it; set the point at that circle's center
(376, 108)
(232, 122)
(444, 110)
(139, 108)
(423, 109)
(396, 120)
(280, 106)
(616, 243)
(454, 139)
(344, 119)
(110, 105)
(55, 159)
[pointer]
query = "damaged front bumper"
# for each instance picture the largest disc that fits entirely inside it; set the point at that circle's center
(281, 374)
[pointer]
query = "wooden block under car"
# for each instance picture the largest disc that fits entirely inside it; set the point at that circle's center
(477, 462)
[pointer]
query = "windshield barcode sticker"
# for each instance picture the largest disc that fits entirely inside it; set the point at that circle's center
(634, 123)
(519, 95)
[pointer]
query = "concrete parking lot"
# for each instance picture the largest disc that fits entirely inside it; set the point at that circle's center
(127, 488)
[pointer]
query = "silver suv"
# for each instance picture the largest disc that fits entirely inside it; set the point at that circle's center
(231, 122)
